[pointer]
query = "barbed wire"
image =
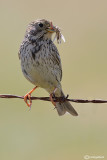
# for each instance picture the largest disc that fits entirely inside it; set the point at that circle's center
(56, 99)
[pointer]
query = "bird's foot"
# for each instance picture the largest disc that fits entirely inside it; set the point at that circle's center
(52, 95)
(28, 97)
(51, 99)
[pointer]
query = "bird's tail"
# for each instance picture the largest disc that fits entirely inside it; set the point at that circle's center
(64, 107)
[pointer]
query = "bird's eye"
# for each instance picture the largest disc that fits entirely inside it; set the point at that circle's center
(41, 25)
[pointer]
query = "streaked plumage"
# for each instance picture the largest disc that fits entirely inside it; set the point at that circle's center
(40, 61)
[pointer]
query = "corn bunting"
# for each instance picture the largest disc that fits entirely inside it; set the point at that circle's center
(41, 63)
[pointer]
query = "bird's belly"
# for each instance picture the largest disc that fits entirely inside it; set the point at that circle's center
(40, 75)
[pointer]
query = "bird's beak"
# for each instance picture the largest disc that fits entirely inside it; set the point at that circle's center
(52, 28)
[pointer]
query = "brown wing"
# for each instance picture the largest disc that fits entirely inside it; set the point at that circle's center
(55, 57)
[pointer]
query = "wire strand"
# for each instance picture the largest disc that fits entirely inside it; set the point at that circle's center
(56, 99)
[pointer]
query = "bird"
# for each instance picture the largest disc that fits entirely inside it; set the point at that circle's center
(41, 63)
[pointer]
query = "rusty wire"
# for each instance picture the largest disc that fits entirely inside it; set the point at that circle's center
(56, 99)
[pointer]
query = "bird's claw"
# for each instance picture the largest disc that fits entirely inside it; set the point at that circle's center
(26, 98)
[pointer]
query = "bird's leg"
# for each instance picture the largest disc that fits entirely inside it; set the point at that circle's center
(51, 97)
(28, 96)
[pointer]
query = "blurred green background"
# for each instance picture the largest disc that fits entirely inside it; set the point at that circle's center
(40, 133)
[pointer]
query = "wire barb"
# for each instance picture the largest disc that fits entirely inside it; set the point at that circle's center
(56, 99)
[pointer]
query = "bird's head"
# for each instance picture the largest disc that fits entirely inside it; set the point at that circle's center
(42, 28)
